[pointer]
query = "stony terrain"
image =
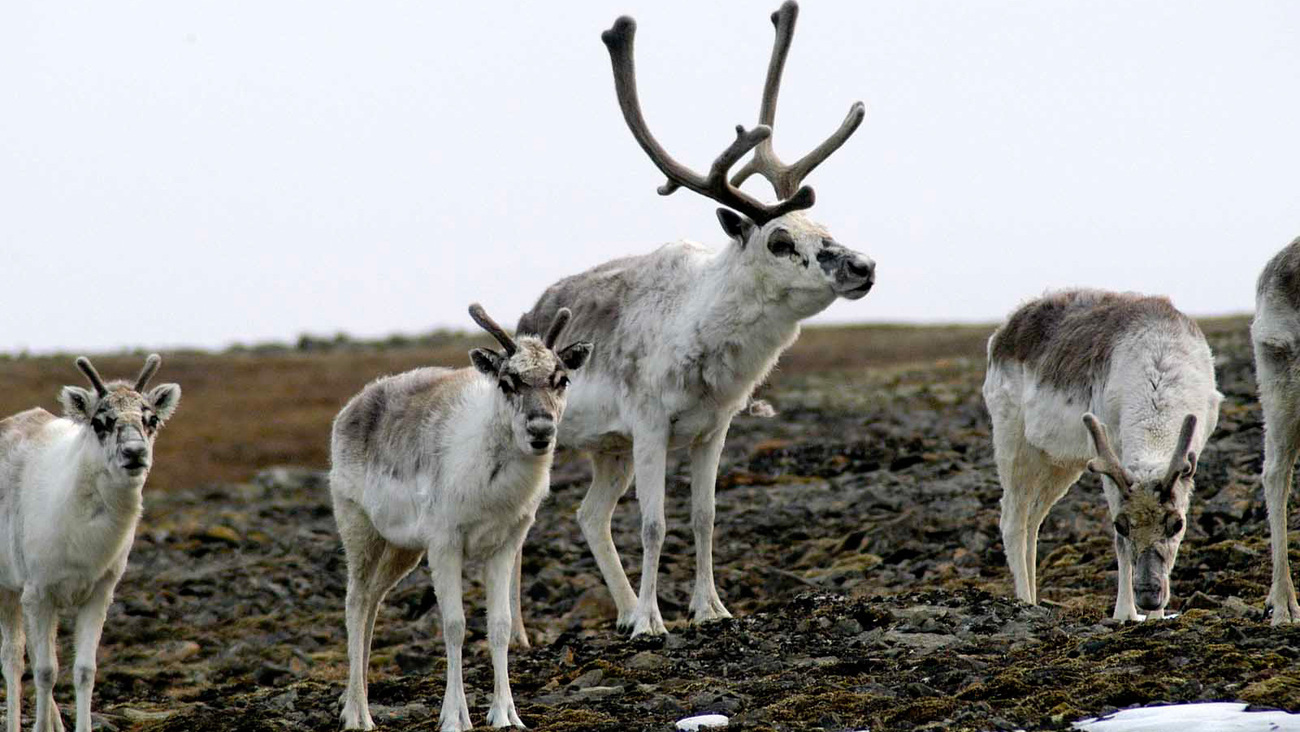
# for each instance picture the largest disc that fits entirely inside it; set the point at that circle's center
(857, 545)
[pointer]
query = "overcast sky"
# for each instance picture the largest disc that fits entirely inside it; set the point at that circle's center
(203, 173)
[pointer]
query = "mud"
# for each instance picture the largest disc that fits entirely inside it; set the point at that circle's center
(857, 544)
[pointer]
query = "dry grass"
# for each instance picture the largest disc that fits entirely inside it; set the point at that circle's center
(242, 412)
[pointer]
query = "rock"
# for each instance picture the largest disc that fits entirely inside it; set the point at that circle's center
(600, 692)
(283, 702)
(703, 721)
(223, 534)
(647, 661)
(384, 715)
(590, 678)
(141, 716)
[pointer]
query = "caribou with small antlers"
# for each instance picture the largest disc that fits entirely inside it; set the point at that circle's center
(453, 464)
(687, 333)
(71, 494)
(1146, 369)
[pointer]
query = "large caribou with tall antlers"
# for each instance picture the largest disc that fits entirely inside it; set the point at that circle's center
(71, 493)
(1062, 368)
(687, 332)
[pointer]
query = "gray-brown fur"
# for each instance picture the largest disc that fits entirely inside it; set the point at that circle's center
(384, 420)
(1281, 276)
(1067, 337)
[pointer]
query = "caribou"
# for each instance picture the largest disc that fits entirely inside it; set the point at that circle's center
(686, 332)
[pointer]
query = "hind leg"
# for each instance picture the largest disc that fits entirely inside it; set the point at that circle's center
(11, 656)
(610, 479)
(374, 567)
(518, 636)
(1056, 482)
(1278, 395)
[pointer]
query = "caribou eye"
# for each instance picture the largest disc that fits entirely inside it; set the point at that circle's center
(510, 384)
(1173, 525)
(1121, 525)
(780, 244)
(562, 382)
(152, 421)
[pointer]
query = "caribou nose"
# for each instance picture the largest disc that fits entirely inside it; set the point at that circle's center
(135, 455)
(540, 433)
(859, 267)
(1148, 598)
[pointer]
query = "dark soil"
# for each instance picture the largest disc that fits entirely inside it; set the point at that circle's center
(857, 544)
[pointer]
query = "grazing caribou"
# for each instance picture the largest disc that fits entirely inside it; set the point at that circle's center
(1060, 370)
(1275, 333)
(686, 332)
(71, 494)
(451, 463)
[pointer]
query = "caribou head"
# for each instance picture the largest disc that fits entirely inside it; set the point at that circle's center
(532, 376)
(1152, 517)
(791, 250)
(124, 418)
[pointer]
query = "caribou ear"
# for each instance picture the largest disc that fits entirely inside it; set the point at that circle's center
(488, 362)
(77, 403)
(164, 399)
(737, 227)
(574, 355)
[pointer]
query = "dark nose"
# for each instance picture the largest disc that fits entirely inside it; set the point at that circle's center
(864, 268)
(1147, 598)
(135, 455)
(541, 429)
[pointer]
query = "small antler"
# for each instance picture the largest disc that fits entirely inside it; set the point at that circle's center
(151, 365)
(618, 40)
(84, 364)
(1107, 462)
(485, 322)
(787, 178)
(562, 317)
(1183, 461)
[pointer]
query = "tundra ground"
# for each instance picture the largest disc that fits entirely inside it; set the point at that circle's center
(857, 545)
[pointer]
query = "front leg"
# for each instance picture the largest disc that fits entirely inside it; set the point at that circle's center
(497, 579)
(1280, 443)
(705, 603)
(42, 625)
(445, 565)
(1125, 609)
(518, 635)
(650, 455)
(12, 639)
(90, 624)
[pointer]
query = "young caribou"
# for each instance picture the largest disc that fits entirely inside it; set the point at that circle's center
(71, 493)
(1275, 333)
(687, 333)
(1141, 367)
(452, 463)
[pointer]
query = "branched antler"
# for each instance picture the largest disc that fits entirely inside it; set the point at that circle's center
(618, 40)
(1107, 462)
(787, 178)
(1183, 461)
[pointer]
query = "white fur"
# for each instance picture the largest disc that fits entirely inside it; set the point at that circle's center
(68, 513)
(699, 330)
(1042, 446)
(475, 498)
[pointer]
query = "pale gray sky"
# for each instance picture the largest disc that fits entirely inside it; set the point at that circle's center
(208, 172)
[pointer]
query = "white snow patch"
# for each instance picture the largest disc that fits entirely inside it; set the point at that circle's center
(1207, 717)
(690, 724)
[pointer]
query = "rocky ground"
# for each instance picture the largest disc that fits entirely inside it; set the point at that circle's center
(857, 545)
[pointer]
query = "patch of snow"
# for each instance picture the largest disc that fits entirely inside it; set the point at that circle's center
(1207, 717)
(703, 721)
